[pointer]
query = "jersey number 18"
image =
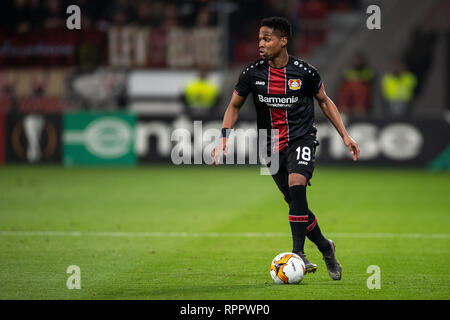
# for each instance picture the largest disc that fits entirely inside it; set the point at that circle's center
(304, 153)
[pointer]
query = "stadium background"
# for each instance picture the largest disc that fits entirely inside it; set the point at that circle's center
(83, 104)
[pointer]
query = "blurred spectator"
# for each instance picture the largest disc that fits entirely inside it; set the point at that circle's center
(20, 16)
(157, 13)
(120, 19)
(170, 16)
(203, 18)
(120, 12)
(149, 13)
(144, 15)
(53, 15)
(419, 55)
(398, 87)
(90, 51)
(200, 95)
(93, 10)
(356, 86)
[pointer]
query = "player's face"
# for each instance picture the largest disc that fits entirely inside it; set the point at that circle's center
(270, 44)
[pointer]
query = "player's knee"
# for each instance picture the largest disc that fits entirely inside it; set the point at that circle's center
(297, 179)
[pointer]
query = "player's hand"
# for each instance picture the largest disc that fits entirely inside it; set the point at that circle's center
(220, 147)
(352, 146)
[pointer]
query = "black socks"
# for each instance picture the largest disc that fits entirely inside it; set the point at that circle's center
(303, 222)
(298, 216)
(315, 235)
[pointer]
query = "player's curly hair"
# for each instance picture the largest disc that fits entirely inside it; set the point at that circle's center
(279, 24)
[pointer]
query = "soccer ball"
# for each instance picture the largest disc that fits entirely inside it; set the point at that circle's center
(287, 268)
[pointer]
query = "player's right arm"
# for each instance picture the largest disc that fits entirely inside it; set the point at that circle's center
(241, 91)
(232, 112)
(229, 120)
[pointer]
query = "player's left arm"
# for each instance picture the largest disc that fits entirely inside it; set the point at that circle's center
(332, 113)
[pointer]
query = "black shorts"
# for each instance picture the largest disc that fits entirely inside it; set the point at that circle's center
(299, 157)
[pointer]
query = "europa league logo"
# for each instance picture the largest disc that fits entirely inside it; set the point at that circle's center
(34, 138)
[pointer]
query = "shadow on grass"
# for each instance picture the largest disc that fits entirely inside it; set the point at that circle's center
(265, 290)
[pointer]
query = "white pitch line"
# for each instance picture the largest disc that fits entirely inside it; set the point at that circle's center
(219, 234)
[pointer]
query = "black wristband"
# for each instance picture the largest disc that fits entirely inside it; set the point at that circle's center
(226, 132)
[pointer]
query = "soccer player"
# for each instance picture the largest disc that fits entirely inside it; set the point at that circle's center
(283, 88)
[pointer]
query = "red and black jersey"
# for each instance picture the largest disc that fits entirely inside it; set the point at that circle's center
(283, 97)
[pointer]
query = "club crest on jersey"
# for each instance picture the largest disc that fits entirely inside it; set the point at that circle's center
(295, 84)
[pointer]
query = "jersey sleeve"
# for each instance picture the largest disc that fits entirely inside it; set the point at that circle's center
(313, 80)
(243, 86)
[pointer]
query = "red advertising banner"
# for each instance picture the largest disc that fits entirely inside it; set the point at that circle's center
(53, 48)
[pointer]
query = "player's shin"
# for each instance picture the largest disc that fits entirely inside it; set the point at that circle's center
(298, 216)
(315, 235)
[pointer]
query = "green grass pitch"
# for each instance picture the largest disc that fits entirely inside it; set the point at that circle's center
(167, 232)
